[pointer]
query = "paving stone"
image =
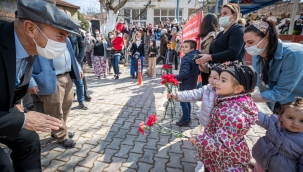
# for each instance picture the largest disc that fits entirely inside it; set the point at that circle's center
(164, 139)
(115, 144)
(189, 166)
(81, 142)
(120, 121)
(74, 160)
(148, 156)
(141, 138)
(95, 140)
(66, 155)
(169, 169)
(144, 166)
(129, 140)
(123, 152)
(109, 122)
(189, 155)
(49, 157)
(121, 134)
(176, 147)
(100, 147)
(131, 119)
(115, 165)
(124, 169)
(127, 125)
(132, 160)
(115, 127)
(163, 151)
(175, 160)
(81, 169)
(133, 131)
(99, 166)
(109, 136)
(54, 165)
(151, 144)
(89, 160)
(49, 147)
(153, 135)
(160, 165)
(108, 154)
(138, 148)
(84, 150)
(187, 145)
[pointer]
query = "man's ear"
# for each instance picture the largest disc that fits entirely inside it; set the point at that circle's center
(239, 89)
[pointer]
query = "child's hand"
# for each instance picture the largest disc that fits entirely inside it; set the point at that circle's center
(192, 140)
(172, 96)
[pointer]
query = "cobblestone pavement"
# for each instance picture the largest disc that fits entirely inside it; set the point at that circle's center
(107, 137)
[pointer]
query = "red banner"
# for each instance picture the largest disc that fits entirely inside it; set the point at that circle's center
(191, 29)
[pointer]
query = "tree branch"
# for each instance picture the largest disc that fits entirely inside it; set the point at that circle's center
(119, 5)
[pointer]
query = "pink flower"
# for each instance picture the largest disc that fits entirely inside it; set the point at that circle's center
(141, 128)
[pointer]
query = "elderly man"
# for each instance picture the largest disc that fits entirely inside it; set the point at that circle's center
(20, 42)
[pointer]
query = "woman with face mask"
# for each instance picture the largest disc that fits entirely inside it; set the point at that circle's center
(136, 46)
(100, 60)
(109, 55)
(228, 44)
(278, 64)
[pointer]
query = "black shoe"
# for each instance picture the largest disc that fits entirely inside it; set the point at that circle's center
(70, 135)
(87, 97)
(117, 77)
(133, 76)
(114, 77)
(181, 123)
(68, 143)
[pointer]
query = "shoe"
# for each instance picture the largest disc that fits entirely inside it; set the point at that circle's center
(114, 77)
(153, 77)
(181, 123)
(98, 77)
(105, 76)
(68, 143)
(83, 106)
(133, 76)
(70, 135)
(87, 98)
(120, 73)
(117, 77)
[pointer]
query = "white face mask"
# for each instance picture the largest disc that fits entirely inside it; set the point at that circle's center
(87, 34)
(97, 32)
(111, 36)
(53, 49)
(98, 39)
(224, 21)
(138, 39)
(254, 50)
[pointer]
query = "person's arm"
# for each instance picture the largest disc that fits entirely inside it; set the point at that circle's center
(81, 49)
(264, 120)
(235, 45)
(185, 70)
(290, 74)
(207, 45)
(143, 52)
(191, 95)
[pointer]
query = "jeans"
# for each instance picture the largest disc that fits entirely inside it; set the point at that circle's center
(186, 109)
(79, 90)
(132, 68)
(115, 63)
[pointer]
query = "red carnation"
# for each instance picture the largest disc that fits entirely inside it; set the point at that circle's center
(151, 120)
(141, 128)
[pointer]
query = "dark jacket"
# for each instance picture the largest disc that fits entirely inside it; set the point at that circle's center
(189, 72)
(78, 47)
(171, 56)
(163, 44)
(228, 46)
(99, 49)
(10, 122)
(153, 51)
(139, 49)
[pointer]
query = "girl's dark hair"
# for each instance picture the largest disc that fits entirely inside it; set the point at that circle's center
(272, 45)
(210, 24)
(298, 104)
(154, 43)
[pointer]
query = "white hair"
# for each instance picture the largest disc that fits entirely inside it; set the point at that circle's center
(163, 31)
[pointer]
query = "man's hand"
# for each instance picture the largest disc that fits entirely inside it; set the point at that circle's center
(36, 121)
(192, 140)
(33, 90)
(81, 75)
(129, 53)
(19, 107)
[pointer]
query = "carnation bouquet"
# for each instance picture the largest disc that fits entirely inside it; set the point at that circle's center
(167, 68)
(170, 82)
(153, 125)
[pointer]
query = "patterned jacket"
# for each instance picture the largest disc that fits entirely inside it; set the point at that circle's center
(222, 147)
(207, 94)
(279, 150)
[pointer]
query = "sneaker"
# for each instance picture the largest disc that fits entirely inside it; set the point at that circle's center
(87, 97)
(200, 167)
(83, 106)
(98, 77)
(153, 77)
(181, 123)
(68, 143)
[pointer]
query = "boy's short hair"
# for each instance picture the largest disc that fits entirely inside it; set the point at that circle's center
(192, 44)
(169, 43)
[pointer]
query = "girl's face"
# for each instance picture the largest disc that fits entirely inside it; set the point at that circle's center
(138, 36)
(151, 43)
(214, 77)
(226, 86)
(292, 119)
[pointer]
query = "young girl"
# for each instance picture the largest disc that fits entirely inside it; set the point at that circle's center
(222, 146)
(152, 53)
(281, 149)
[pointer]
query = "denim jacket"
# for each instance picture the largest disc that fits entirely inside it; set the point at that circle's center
(285, 74)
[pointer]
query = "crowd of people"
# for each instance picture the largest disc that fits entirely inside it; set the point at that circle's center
(41, 59)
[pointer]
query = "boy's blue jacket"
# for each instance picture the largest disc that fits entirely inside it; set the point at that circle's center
(189, 72)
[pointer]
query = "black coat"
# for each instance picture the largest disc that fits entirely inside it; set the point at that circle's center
(78, 47)
(10, 122)
(163, 44)
(172, 55)
(189, 72)
(228, 46)
(139, 49)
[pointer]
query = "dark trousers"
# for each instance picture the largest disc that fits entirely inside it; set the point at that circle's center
(25, 153)
(85, 86)
(38, 104)
(159, 59)
(176, 62)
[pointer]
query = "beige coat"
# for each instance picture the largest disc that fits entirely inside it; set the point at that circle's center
(205, 44)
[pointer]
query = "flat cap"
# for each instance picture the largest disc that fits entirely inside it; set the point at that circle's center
(44, 12)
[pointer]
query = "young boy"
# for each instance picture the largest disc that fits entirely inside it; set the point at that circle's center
(135, 64)
(188, 76)
(170, 54)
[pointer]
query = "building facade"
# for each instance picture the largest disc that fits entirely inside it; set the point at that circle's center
(137, 11)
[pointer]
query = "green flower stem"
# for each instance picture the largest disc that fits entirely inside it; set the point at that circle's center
(161, 129)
